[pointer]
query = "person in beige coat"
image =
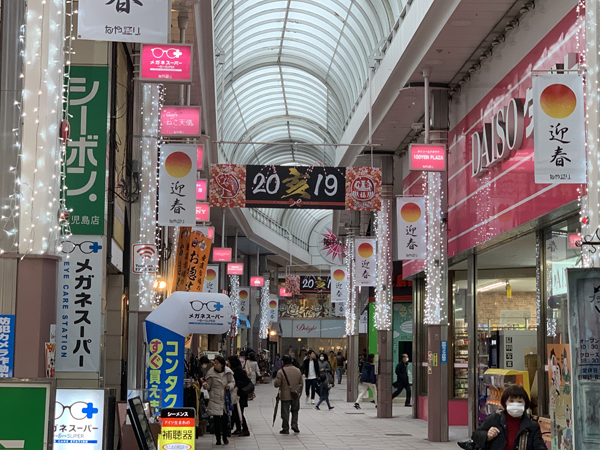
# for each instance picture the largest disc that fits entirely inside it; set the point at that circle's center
(219, 379)
(287, 403)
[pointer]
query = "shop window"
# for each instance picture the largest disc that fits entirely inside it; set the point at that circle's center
(461, 335)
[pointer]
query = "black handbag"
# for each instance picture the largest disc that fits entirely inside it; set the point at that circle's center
(248, 388)
(468, 445)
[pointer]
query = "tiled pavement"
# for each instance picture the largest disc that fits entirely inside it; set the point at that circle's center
(341, 428)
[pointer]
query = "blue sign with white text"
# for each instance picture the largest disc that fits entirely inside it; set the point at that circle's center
(7, 345)
(444, 352)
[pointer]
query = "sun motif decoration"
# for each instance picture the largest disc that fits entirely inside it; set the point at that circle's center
(331, 247)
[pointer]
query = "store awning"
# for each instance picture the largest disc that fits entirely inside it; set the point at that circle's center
(243, 322)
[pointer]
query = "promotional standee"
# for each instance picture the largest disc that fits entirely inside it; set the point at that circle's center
(178, 429)
(79, 419)
(167, 326)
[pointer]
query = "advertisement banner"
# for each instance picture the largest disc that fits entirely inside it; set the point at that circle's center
(177, 185)
(86, 148)
(559, 378)
(194, 261)
(180, 121)
(178, 429)
(559, 138)
(339, 289)
(79, 315)
(411, 228)
(365, 262)
(292, 284)
(427, 157)
(7, 345)
(181, 264)
(244, 307)
(273, 310)
(164, 63)
(125, 20)
(79, 419)
(314, 284)
(50, 358)
(211, 279)
(363, 188)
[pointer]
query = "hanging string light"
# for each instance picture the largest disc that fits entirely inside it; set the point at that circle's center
(234, 296)
(434, 298)
(350, 309)
(383, 288)
(264, 310)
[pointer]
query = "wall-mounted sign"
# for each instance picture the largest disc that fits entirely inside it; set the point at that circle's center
(235, 269)
(315, 283)
(177, 183)
(306, 328)
(211, 279)
(317, 187)
(80, 298)
(428, 157)
(180, 121)
(257, 281)
(145, 258)
(365, 262)
(202, 212)
(411, 228)
(201, 190)
(164, 63)
(124, 20)
(7, 345)
(79, 419)
(222, 254)
(339, 281)
(559, 140)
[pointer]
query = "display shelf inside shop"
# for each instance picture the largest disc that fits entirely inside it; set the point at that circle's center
(461, 359)
(496, 381)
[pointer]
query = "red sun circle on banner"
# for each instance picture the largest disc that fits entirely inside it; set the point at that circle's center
(365, 250)
(410, 212)
(272, 304)
(211, 274)
(339, 275)
(558, 101)
(178, 164)
(243, 294)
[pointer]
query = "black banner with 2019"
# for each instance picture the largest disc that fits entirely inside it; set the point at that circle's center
(311, 187)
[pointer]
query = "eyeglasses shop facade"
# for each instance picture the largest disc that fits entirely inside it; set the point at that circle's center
(509, 240)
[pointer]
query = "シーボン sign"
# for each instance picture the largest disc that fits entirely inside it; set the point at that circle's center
(164, 63)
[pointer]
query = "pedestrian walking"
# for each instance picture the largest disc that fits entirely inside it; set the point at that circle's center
(219, 379)
(310, 370)
(367, 380)
(402, 380)
(333, 364)
(277, 365)
(251, 367)
(325, 368)
(340, 366)
(323, 392)
(242, 388)
(289, 382)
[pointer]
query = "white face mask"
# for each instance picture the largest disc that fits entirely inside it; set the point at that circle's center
(204, 366)
(515, 409)
(322, 358)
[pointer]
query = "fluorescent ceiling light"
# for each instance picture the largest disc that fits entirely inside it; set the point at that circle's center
(489, 287)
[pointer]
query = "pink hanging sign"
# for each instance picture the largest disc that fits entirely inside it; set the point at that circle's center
(180, 121)
(202, 212)
(201, 189)
(164, 63)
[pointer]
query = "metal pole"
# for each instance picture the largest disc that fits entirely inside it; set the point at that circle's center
(371, 71)
(426, 75)
(182, 22)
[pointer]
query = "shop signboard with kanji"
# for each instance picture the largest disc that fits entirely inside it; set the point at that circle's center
(7, 345)
(365, 262)
(178, 429)
(79, 419)
(339, 284)
(166, 63)
(79, 310)
(559, 138)
(180, 121)
(411, 229)
(177, 185)
(124, 20)
(86, 149)
(165, 368)
(191, 262)
(314, 187)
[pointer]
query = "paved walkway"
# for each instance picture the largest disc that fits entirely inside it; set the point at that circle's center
(341, 428)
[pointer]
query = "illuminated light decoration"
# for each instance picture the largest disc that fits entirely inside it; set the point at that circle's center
(538, 278)
(332, 245)
(264, 310)
(384, 292)
(234, 297)
(350, 311)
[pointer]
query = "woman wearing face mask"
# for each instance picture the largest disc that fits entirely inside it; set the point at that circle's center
(325, 368)
(512, 429)
(218, 380)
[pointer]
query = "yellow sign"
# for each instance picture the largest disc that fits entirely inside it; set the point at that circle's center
(178, 430)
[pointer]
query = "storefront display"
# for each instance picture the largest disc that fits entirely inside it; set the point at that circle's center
(495, 381)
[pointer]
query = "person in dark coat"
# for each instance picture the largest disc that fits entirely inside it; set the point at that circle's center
(241, 380)
(368, 380)
(310, 370)
(402, 380)
(512, 429)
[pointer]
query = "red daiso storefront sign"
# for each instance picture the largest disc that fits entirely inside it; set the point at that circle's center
(491, 183)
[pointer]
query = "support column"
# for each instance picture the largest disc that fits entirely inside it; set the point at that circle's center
(473, 379)
(352, 316)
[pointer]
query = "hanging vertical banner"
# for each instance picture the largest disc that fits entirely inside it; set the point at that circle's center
(177, 185)
(193, 250)
(292, 284)
(181, 258)
(339, 309)
(7, 345)
(79, 313)
(273, 310)
(244, 294)
(365, 265)
(86, 149)
(339, 284)
(411, 228)
(559, 138)
(211, 279)
(125, 20)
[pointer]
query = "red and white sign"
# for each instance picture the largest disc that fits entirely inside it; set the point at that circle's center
(180, 121)
(284, 293)
(200, 157)
(164, 63)
(257, 281)
(428, 157)
(209, 232)
(144, 258)
(202, 212)
(201, 190)
(221, 255)
(235, 269)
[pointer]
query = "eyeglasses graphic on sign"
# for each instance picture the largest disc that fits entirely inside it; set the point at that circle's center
(172, 53)
(197, 305)
(85, 247)
(78, 410)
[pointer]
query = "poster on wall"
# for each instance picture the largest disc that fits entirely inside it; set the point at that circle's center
(7, 345)
(124, 20)
(86, 149)
(80, 298)
(365, 262)
(79, 419)
(211, 279)
(559, 138)
(339, 284)
(177, 185)
(561, 407)
(273, 310)
(191, 263)
(411, 229)
(244, 294)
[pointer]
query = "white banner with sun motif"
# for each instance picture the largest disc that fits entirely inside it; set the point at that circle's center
(211, 279)
(365, 262)
(339, 284)
(411, 228)
(273, 310)
(559, 138)
(177, 185)
(244, 294)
